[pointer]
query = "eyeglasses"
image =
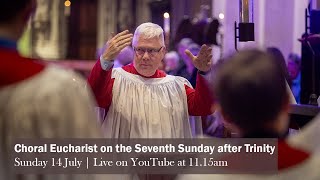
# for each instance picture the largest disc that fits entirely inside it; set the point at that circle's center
(151, 51)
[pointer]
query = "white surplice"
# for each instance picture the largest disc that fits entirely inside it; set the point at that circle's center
(148, 108)
(51, 104)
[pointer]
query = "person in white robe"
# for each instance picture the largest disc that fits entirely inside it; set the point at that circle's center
(140, 101)
(37, 101)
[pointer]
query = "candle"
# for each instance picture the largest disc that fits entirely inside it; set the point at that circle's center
(166, 22)
(246, 11)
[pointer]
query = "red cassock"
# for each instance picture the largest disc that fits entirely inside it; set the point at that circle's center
(14, 68)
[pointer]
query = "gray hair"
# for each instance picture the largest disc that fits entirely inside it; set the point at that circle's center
(148, 30)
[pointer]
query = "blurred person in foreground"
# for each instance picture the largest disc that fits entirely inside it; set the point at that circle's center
(36, 101)
(294, 69)
(274, 51)
(279, 59)
(252, 98)
(141, 101)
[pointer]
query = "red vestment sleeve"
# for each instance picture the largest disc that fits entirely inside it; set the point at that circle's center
(200, 99)
(101, 84)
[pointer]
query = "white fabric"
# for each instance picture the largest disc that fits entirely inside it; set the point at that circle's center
(147, 107)
(51, 104)
(308, 170)
(308, 137)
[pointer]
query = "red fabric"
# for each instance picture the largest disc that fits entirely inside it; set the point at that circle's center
(289, 156)
(199, 99)
(130, 68)
(14, 68)
(101, 84)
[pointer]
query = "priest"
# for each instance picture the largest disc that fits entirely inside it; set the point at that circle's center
(140, 101)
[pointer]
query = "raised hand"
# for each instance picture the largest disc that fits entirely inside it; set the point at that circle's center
(116, 44)
(203, 60)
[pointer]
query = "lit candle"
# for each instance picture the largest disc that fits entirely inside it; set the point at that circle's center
(166, 22)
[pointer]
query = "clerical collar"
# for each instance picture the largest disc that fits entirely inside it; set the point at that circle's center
(8, 43)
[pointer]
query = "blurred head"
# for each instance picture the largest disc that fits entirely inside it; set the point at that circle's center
(14, 15)
(171, 60)
(280, 60)
(294, 63)
(194, 48)
(125, 56)
(149, 47)
(182, 46)
(251, 93)
(204, 13)
(211, 34)
(184, 30)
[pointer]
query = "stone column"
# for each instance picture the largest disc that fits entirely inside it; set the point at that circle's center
(106, 21)
(142, 11)
(125, 17)
(49, 30)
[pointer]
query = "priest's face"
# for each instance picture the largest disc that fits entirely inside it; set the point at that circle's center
(148, 55)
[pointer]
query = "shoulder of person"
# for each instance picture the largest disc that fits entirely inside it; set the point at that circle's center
(183, 80)
(63, 82)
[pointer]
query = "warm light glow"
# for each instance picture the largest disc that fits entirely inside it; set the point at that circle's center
(221, 16)
(67, 3)
(166, 15)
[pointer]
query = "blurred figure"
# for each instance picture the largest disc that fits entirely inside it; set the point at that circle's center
(200, 25)
(212, 31)
(182, 47)
(258, 81)
(281, 60)
(277, 54)
(125, 57)
(192, 71)
(183, 31)
(172, 62)
(187, 69)
(294, 65)
(37, 101)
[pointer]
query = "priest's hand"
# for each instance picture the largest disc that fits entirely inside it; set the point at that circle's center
(203, 60)
(116, 44)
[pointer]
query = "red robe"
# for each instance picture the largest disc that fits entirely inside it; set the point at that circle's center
(289, 156)
(14, 68)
